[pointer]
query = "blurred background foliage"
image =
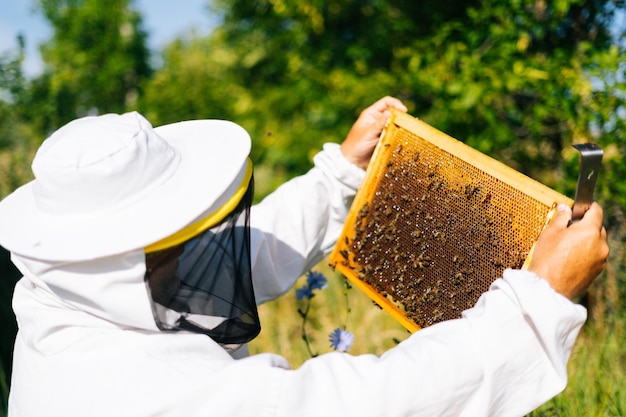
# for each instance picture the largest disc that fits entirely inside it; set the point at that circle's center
(518, 80)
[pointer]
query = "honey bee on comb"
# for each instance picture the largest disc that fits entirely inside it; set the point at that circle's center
(436, 222)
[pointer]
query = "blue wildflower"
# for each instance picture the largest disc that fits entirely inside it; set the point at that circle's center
(316, 280)
(304, 293)
(341, 340)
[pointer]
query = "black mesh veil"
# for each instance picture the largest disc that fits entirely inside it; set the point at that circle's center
(204, 285)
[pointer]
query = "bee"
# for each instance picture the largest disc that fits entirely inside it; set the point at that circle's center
(435, 185)
(459, 278)
(364, 211)
(472, 191)
(439, 235)
(437, 315)
(421, 263)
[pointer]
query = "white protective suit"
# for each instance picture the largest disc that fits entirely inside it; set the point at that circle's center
(88, 345)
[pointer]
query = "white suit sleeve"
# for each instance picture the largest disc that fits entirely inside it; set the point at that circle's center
(505, 357)
(294, 227)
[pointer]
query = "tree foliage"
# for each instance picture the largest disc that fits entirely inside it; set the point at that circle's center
(95, 61)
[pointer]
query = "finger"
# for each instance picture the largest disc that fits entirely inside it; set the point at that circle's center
(388, 102)
(563, 216)
(370, 117)
(594, 216)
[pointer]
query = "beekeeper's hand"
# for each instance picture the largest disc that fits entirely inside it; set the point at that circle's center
(571, 256)
(365, 133)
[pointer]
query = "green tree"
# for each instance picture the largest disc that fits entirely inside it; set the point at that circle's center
(96, 61)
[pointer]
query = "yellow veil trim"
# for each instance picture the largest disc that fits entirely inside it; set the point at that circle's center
(207, 222)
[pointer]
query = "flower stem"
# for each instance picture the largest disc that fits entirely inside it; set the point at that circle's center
(304, 314)
(347, 298)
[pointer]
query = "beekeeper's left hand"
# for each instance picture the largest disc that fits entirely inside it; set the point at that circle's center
(365, 133)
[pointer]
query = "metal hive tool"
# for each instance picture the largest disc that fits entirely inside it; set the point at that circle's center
(436, 222)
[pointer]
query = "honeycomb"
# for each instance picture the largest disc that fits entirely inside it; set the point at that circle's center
(436, 222)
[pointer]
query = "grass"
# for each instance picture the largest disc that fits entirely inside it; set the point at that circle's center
(597, 370)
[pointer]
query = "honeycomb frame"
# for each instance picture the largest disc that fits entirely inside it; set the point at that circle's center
(435, 222)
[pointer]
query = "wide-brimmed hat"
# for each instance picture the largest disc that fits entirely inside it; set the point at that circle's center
(109, 184)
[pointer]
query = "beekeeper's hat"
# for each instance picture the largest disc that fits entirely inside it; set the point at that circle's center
(110, 184)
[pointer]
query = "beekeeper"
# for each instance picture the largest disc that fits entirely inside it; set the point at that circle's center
(143, 262)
